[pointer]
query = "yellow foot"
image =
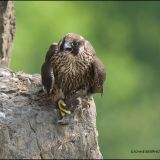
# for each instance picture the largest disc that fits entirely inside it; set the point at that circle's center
(62, 108)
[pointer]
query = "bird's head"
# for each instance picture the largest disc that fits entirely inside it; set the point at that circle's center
(72, 44)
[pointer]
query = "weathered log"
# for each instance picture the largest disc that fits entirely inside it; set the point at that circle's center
(7, 31)
(28, 127)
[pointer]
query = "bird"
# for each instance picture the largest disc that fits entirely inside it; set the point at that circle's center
(71, 66)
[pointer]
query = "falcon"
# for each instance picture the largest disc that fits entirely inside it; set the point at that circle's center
(71, 66)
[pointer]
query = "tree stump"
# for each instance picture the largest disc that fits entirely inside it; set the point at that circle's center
(28, 127)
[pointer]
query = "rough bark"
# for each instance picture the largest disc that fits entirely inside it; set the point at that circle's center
(28, 127)
(7, 30)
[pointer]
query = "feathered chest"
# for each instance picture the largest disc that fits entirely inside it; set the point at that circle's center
(72, 73)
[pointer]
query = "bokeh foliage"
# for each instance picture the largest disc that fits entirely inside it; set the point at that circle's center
(126, 36)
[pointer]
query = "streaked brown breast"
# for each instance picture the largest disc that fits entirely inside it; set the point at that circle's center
(72, 73)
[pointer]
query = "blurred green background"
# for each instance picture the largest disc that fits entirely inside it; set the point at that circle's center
(126, 37)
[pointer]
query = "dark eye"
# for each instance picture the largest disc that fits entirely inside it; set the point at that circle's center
(75, 44)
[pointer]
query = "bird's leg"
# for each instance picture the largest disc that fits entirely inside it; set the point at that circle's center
(74, 103)
(65, 113)
(62, 108)
(78, 104)
(48, 97)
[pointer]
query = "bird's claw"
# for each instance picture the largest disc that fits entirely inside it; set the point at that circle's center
(86, 102)
(62, 108)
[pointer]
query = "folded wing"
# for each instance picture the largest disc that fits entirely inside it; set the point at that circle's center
(99, 76)
(47, 74)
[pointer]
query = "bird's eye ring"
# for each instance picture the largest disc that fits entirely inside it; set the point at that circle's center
(75, 44)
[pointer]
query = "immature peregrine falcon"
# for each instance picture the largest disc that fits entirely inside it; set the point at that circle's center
(71, 66)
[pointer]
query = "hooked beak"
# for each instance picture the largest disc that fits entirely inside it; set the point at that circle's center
(67, 48)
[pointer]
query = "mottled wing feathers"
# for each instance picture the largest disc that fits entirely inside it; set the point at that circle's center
(89, 48)
(47, 75)
(99, 76)
(52, 49)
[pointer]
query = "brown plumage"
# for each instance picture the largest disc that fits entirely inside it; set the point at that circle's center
(72, 65)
